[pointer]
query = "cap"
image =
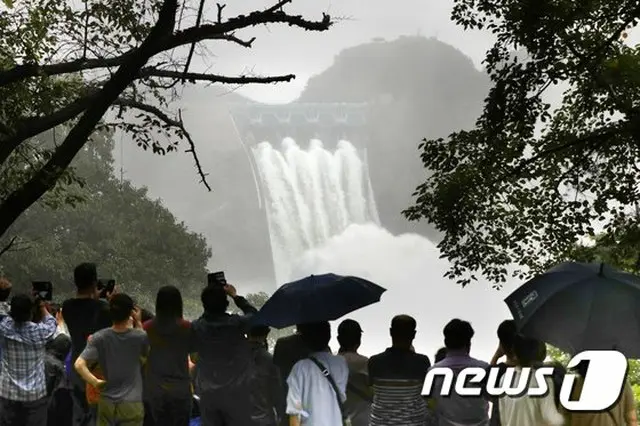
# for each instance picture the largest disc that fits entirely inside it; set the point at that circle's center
(349, 326)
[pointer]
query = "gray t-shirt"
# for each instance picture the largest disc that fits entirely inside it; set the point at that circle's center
(119, 355)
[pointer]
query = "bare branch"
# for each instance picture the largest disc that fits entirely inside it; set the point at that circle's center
(219, 31)
(214, 78)
(179, 124)
(193, 45)
(8, 246)
(220, 9)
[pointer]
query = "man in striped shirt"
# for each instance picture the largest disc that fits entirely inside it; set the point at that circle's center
(397, 376)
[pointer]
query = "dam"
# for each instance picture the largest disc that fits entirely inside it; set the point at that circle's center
(311, 172)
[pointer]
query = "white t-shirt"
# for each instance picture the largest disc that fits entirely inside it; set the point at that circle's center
(526, 410)
(310, 394)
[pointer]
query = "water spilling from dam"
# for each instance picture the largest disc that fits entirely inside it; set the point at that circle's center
(311, 195)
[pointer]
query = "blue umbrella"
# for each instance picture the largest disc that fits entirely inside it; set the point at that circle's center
(580, 306)
(317, 298)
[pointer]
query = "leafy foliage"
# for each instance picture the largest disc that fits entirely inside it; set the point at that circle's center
(132, 238)
(69, 64)
(528, 182)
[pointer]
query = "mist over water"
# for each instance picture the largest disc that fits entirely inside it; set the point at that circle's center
(322, 218)
(408, 266)
(310, 196)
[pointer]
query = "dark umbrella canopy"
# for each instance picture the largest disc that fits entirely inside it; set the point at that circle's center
(580, 306)
(317, 298)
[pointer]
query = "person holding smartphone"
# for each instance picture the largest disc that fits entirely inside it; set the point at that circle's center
(23, 388)
(84, 315)
(224, 357)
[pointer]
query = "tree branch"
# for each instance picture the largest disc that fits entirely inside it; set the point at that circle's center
(219, 31)
(23, 197)
(34, 126)
(179, 124)
(8, 246)
(591, 137)
(214, 78)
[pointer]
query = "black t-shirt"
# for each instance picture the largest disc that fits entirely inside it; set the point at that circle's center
(84, 317)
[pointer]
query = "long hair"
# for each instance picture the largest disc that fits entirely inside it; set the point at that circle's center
(169, 303)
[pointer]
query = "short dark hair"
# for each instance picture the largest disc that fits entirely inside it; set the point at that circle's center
(526, 350)
(349, 334)
(259, 331)
(458, 334)
(214, 299)
(317, 335)
(169, 303)
(120, 307)
(507, 331)
(85, 276)
(403, 327)
(21, 308)
(440, 355)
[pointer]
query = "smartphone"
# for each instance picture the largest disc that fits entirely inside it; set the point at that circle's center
(216, 279)
(42, 290)
(106, 286)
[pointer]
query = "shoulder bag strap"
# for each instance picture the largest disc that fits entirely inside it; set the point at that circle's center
(325, 373)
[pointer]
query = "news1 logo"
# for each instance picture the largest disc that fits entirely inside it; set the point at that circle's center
(602, 387)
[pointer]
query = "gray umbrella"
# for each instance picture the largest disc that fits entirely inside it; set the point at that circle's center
(580, 306)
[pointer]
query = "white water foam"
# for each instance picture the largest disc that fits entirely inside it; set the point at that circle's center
(310, 196)
(409, 267)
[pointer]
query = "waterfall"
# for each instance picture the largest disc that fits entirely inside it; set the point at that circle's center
(310, 196)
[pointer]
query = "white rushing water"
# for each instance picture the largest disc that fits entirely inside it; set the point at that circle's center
(311, 195)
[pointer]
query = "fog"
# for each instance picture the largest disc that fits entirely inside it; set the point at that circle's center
(280, 49)
(409, 267)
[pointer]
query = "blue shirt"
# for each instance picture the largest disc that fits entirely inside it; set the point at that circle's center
(22, 377)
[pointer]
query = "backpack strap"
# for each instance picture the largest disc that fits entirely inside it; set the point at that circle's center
(325, 373)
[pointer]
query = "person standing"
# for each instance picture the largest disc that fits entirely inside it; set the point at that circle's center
(507, 332)
(23, 387)
(224, 359)
(454, 409)
(359, 395)
(267, 399)
(120, 351)
(318, 383)
(287, 351)
(83, 315)
(397, 376)
(525, 410)
(167, 384)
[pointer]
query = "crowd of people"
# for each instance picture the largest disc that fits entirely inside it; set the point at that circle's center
(94, 361)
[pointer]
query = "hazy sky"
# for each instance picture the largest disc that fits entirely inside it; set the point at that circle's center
(282, 50)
